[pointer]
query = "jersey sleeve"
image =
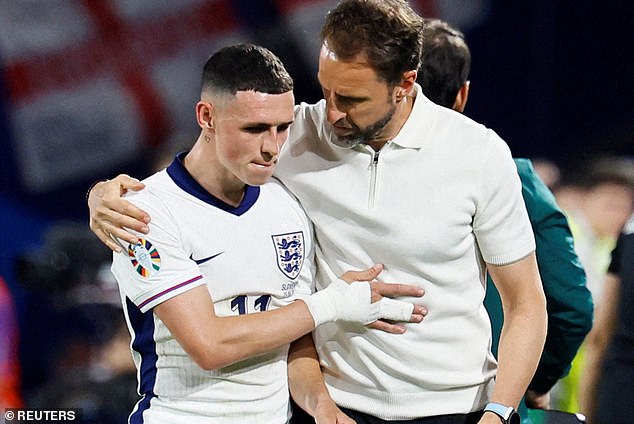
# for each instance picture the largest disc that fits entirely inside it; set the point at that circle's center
(158, 267)
(501, 225)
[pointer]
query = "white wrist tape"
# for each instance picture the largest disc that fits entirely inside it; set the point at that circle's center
(352, 302)
(394, 310)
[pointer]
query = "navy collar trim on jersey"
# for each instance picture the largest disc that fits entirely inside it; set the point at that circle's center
(185, 181)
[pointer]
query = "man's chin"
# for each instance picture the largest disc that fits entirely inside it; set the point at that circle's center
(347, 141)
(259, 178)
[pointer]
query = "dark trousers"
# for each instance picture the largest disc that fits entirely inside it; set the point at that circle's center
(301, 417)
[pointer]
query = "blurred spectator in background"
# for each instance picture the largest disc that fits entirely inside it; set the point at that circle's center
(444, 78)
(547, 171)
(604, 202)
(76, 329)
(602, 196)
(606, 390)
(10, 396)
(96, 373)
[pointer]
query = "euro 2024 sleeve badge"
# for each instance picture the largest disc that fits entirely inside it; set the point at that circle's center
(144, 257)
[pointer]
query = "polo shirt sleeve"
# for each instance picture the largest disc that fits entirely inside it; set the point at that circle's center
(501, 225)
(158, 268)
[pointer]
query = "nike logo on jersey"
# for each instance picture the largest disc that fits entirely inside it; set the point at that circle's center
(203, 260)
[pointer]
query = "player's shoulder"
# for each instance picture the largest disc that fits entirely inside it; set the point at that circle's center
(280, 198)
(156, 179)
(275, 188)
(157, 186)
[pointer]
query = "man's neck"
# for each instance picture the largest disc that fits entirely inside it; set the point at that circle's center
(199, 163)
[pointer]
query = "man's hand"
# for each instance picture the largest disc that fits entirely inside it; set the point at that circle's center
(110, 213)
(489, 418)
(329, 413)
(380, 290)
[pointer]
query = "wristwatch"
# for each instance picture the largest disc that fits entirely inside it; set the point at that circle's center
(507, 414)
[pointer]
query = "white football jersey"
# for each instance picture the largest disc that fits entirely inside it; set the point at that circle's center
(254, 257)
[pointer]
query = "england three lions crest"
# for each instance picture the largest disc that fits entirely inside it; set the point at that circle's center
(289, 249)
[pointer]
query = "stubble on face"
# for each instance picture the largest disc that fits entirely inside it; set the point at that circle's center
(366, 135)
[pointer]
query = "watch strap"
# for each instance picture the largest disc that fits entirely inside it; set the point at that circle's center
(503, 411)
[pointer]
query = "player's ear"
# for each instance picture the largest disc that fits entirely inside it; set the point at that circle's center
(204, 115)
(461, 98)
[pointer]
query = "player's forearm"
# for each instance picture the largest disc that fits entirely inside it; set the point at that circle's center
(305, 379)
(521, 343)
(240, 337)
(214, 342)
(249, 335)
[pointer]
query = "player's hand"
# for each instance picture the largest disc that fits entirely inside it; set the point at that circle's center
(330, 414)
(489, 418)
(391, 290)
(110, 214)
(536, 400)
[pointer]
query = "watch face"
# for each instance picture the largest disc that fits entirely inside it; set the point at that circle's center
(514, 418)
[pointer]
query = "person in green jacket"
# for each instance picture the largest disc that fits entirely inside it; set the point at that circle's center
(443, 76)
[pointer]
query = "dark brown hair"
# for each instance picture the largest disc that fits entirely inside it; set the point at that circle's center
(388, 32)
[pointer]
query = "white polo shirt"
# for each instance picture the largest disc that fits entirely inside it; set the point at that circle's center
(433, 205)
